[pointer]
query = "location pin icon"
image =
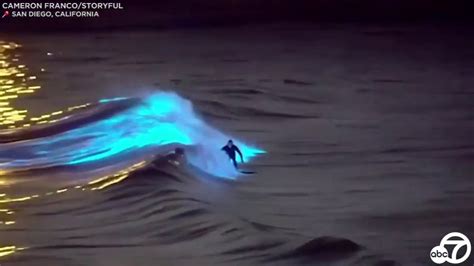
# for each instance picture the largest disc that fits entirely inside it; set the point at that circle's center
(6, 13)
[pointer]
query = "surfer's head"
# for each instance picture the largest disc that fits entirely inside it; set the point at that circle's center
(230, 143)
(179, 151)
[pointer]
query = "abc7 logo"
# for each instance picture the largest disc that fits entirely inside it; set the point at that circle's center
(440, 254)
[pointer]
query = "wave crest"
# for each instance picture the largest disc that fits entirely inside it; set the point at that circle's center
(120, 130)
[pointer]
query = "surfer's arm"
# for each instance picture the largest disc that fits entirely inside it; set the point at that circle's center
(240, 153)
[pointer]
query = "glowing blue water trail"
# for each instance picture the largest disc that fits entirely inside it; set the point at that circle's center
(160, 120)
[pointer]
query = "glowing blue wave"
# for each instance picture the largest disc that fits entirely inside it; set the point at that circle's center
(160, 120)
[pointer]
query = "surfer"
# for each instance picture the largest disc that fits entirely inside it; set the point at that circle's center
(230, 149)
(177, 157)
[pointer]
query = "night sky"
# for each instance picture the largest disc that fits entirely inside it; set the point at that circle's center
(199, 13)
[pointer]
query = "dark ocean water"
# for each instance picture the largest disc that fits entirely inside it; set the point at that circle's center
(368, 133)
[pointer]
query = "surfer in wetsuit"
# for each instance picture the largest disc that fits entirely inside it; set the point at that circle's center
(230, 149)
(177, 157)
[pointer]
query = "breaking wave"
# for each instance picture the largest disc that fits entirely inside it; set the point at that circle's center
(122, 129)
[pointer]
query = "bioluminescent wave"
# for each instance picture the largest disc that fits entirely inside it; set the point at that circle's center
(157, 122)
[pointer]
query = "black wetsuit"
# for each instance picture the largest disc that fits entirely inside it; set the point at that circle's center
(231, 153)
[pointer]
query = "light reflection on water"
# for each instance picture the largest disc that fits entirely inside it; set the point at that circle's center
(15, 83)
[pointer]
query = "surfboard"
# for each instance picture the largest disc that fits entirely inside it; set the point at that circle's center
(245, 172)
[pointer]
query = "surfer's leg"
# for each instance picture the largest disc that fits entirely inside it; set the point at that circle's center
(234, 162)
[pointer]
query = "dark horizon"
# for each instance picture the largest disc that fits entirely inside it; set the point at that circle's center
(199, 13)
